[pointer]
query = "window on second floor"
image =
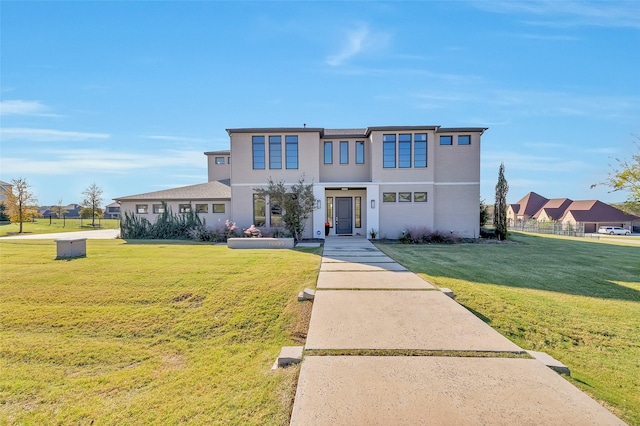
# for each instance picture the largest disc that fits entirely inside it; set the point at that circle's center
(258, 152)
(291, 151)
(328, 153)
(219, 160)
(464, 140)
(360, 152)
(420, 150)
(404, 151)
(446, 140)
(275, 152)
(344, 152)
(389, 151)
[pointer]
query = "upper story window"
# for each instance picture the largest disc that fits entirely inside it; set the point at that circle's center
(344, 152)
(420, 150)
(446, 140)
(291, 151)
(258, 152)
(388, 151)
(464, 140)
(404, 151)
(360, 152)
(275, 152)
(328, 153)
(219, 160)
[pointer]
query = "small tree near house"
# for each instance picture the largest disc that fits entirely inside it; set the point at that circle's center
(92, 200)
(21, 203)
(500, 207)
(297, 203)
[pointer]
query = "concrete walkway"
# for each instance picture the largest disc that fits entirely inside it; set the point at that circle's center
(101, 234)
(365, 301)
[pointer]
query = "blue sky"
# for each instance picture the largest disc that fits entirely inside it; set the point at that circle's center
(130, 94)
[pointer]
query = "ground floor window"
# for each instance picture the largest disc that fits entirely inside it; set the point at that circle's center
(202, 208)
(330, 211)
(158, 208)
(275, 218)
(388, 197)
(404, 197)
(142, 208)
(259, 210)
(358, 211)
(184, 208)
(218, 208)
(419, 197)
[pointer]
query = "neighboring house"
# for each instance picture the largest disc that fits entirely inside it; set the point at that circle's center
(212, 201)
(5, 190)
(588, 213)
(112, 211)
(70, 211)
(381, 178)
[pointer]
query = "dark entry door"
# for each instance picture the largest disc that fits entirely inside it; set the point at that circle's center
(343, 215)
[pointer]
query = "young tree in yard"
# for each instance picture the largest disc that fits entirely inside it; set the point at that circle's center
(21, 203)
(626, 177)
(500, 207)
(59, 209)
(297, 203)
(92, 200)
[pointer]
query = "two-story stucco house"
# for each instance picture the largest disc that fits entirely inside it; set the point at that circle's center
(381, 178)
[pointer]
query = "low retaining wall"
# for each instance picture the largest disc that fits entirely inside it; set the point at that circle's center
(260, 243)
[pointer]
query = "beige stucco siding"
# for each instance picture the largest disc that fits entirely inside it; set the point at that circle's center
(397, 216)
(212, 220)
(218, 171)
(419, 174)
(350, 172)
(457, 163)
(457, 208)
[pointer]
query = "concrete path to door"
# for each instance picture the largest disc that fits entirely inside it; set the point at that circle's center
(365, 301)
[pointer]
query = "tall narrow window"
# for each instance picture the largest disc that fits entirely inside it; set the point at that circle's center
(259, 213)
(344, 152)
(275, 152)
(404, 151)
(359, 152)
(330, 211)
(420, 150)
(258, 152)
(389, 151)
(328, 153)
(464, 140)
(358, 211)
(276, 214)
(291, 153)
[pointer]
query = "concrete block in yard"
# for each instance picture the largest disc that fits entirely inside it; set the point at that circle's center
(306, 294)
(550, 362)
(288, 355)
(70, 248)
(448, 292)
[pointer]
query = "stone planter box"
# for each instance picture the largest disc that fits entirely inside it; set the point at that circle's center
(260, 243)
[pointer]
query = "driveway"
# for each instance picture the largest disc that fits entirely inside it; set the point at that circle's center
(101, 234)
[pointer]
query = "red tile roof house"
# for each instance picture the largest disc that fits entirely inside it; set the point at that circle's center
(590, 214)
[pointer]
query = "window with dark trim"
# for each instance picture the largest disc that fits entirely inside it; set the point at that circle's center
(291, 151)
(275, 215)
(275, 152)
(344, 152)
(358, 211)
(420, 150)
(330, 211)
(258, 152)
(259, 210)
(328, 153)
(404, 151)
(419, 197)
(202, 208)
(359, 152)
(388, 197)
(446, 140)
(184, 208)
(142, 208)
(404, 197)
(219, 160)
(218, 208)
(388, 151)
(158, 208)
(464, 140)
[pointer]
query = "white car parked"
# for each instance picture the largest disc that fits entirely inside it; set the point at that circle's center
(613, 230)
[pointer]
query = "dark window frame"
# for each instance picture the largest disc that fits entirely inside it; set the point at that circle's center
(344, 152)
(258, 145)
(291, 158)
(468, 138)
(443, 140)
(418, 146)
(388, 148)
(359, 152)
(389, 197)
(275, 152)
(328, 144)
(216, 208)
(404, 158)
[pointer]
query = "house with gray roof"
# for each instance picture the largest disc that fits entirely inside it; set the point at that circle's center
(385, 179)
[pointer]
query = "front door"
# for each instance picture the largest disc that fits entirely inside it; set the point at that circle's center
(343, 215)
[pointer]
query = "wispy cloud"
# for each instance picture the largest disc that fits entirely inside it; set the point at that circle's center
(357, 42)
(67, 162)
(533, 163)
(20, 107)
(47, 135)
(174, 138)
(564, 14)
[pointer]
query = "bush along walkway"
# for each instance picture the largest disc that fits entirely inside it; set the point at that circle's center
(386, 347)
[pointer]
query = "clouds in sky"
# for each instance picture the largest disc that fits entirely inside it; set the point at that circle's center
(21, 107)
(47, 135)
(358, 41)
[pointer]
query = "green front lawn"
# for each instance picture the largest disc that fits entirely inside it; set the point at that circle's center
(46, 226)
(575, 299)
(160, 333)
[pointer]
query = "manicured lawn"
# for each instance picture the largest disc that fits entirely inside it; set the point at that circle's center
(160, 333)
(576, 299)
(42, 226)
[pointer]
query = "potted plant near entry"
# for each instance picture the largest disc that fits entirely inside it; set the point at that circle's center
(327, 225)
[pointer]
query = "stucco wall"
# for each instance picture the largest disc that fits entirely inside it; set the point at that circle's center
(212, 220)
(457, 209)
(351, 172)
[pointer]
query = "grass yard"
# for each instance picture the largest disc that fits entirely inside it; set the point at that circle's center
(575, 299)
(42, 226)
(149, 333)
